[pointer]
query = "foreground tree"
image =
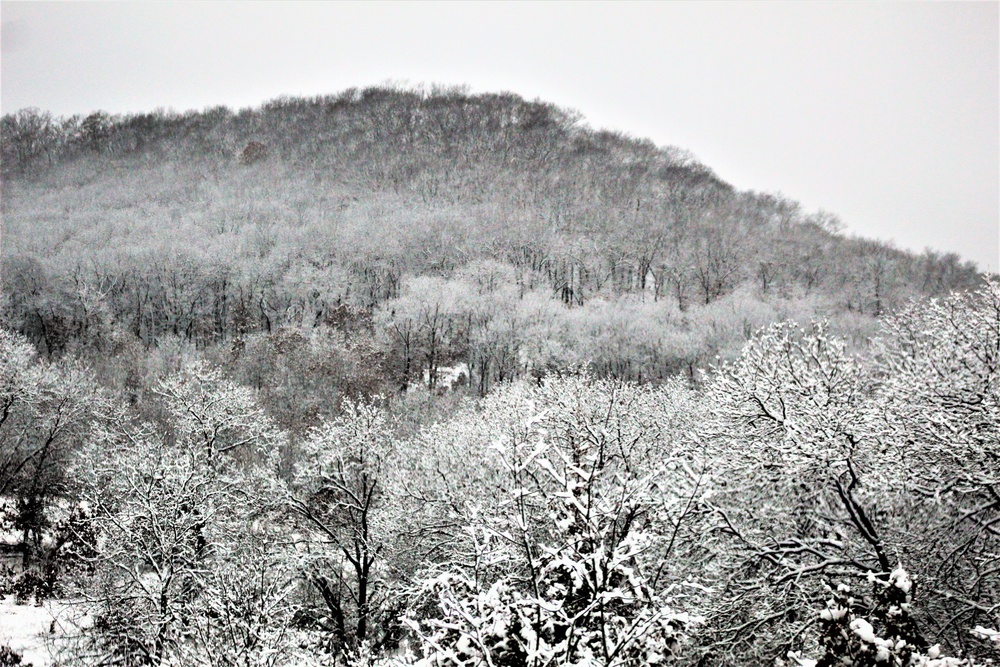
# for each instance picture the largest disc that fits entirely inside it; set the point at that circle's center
(938, 363)
(872, 630)
(177, 524)
(45, 414)
(338, 498)
(558, 561)
(802, 469)
(837, 469)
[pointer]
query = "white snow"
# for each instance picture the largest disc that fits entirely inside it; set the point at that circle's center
(833, 612)
(31, 630)
(24, 629)
(900, 579)
(864, 629)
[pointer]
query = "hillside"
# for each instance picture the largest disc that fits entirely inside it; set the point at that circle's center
(424, 378)
(451, 228)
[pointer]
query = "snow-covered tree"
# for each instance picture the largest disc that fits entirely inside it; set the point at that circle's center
(558, 559)
(160, 514)
(835, 465)
(245, 616)
(176, 521)
(938, 363)
(45, 414)
(872, 630)
(802, 477)
(214, 413)
(338, 498)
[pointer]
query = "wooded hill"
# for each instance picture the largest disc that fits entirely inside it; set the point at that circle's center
(226, 344)
(420, 229)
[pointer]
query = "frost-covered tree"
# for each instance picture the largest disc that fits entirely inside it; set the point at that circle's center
(558, 559)
(216, 414)
(338, 498)
(160, 514)
(836, 466)
(938, 363)
(245, 616)
(803, 476)
(425, 325)
(175, 522)
(45, 414)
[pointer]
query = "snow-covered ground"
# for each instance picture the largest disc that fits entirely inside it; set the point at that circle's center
(31, 630)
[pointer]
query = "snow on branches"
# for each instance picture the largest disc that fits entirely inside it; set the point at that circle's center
(558, 570)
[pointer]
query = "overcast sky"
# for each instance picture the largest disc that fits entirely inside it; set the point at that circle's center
(883, 113)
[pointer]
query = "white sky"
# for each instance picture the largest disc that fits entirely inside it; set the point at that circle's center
(883, 113)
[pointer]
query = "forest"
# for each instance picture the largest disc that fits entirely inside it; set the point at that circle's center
(420, 377)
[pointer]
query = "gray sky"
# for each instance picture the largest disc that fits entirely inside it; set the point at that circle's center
(883, 113)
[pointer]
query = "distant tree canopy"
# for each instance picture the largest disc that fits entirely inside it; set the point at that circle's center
(452, 228)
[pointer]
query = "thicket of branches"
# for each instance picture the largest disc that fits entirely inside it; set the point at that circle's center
(807, 503)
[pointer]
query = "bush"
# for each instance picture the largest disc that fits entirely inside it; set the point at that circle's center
(11, 658)
(874, 630)
(32, 584)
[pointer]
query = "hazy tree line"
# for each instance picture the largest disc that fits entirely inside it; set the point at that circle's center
(445, 227)
(805, 505)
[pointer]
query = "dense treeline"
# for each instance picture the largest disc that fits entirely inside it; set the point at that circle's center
(434, 227)
(806, 505)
